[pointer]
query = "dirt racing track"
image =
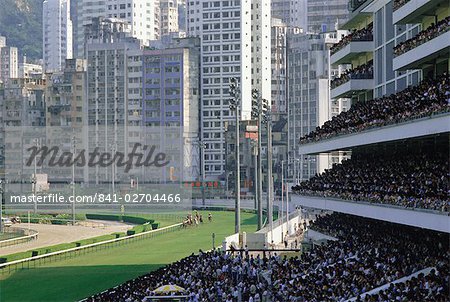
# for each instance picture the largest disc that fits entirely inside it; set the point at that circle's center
(55, 234)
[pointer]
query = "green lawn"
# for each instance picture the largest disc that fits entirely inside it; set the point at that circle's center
(82, 276)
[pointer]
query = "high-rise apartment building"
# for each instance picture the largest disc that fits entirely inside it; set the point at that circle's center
(291, 12)
(308, 74)
(279, 60)
(137, 95)
(65, 94)
(169, 16)
(23, 102)
(22, 107)
(182, 14)
(235, 43)
(57, 34)
(107, 53)
(9, 63)
(326, 16)
(142, 15)
(171, 97)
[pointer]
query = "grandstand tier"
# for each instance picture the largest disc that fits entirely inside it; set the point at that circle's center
(370, 258)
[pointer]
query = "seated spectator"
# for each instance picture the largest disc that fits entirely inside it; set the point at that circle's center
(431, 96)
(367, 255)
(432, 287)
(407, 180)
(424, 36)
(364, 71)
(364, 34)
(399, 3)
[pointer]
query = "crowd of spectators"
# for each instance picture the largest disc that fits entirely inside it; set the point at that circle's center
(364, 71)
(407, 180)
(364, 34)
(425, 288)
(399, 3)
(429, 97)
(424, 36)
(367, 255)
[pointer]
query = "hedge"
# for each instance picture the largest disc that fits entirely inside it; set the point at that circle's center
(103, 217)
(136, 220)
(59, 221)
(129, 219)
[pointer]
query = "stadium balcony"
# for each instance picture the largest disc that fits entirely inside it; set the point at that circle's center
(409, 11)
(351, 87)
(351, 47)
(353, 81)
(423, 127)
(427, 53)
(357, 13)
(427, 219)
(351, 51)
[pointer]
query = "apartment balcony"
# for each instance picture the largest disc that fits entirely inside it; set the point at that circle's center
(424, 54)
(428, 219)
(413, 10)
(433, 126)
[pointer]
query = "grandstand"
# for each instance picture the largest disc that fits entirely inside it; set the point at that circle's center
(397, 127)
(389, 200)
(368, 257)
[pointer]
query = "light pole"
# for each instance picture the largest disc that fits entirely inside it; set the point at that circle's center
(255, 186)
(73, 179)
(1, 206)
(113, 172)
(257, 108)
(282, 193)
(34, 178)
(202, 146)
(268, 121)
(234, 106)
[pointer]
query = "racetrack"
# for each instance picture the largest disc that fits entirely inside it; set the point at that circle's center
(50, 234)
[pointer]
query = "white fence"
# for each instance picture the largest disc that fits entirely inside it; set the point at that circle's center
(27, 235)
(265, 236)
(425, 271)
(35, 261)
(232, 240)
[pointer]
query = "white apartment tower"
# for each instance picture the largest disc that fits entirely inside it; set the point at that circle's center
(279, 60)
(235, 42)
(142, 15)
(169, 16)
(57, 34)
(9, 60)
(291, 12)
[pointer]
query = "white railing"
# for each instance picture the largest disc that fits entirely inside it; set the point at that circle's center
(31, 235)
(64, 254)
(425, 271)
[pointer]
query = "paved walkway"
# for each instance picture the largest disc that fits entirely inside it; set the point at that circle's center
(55, 234)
